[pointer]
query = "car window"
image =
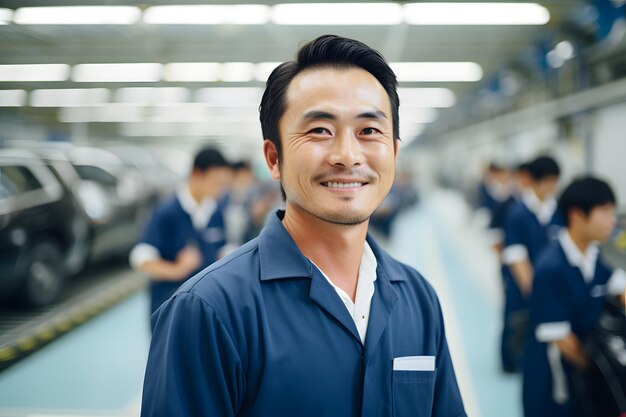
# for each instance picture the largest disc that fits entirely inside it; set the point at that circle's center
(7, 188)
(92, 173)
(21, 178)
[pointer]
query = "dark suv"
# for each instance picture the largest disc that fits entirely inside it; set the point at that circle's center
(38, 227)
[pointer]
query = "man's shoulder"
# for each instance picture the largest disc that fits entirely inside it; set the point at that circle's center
(551, 261)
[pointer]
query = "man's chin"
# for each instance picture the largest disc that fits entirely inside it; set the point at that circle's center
(342, 219)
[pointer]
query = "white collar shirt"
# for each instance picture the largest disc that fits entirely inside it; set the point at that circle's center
(543, 210)
(585, 262)
(360, 309)
(200, 213)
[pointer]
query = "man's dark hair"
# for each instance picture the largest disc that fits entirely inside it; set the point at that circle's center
(543, 167)
(209, 158)
(327, 51)
(240, 166)
(523, 167)
(585, 194)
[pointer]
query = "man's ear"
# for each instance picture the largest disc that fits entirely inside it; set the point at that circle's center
(271, 158)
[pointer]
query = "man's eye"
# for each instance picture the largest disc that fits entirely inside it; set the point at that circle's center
(370, 131)
(318, 131)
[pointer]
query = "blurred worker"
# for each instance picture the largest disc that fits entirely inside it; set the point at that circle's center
(569, 293)
(495, 189)
(237, 204)
(518, 184)
(530, 224)
(185, 233)
(313, 318)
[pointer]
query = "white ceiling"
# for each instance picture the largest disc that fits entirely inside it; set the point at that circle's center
(489, 46)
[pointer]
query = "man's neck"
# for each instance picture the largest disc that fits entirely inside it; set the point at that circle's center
(581, 241)
(196, 192)
(335, 249)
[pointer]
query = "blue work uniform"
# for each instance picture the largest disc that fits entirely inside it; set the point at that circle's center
(262, 333)
(170, 230)
(526, 232)
(562, 301)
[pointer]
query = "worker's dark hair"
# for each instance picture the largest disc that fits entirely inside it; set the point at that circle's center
(543, 167)
(209, 158)
(523, 167)
(326, 51)
(585, 194)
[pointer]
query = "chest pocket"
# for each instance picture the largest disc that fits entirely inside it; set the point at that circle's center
(413, 393)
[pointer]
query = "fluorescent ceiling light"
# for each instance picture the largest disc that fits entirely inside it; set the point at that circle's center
(12, 98)
(264, 69)
(476, 14)
(34, 72)
(106, 113)
(152, 129)
(240, 14)
(437, 71)
(117, 72)
(426, 97)
(77, 15)
(237, 71)
(337, 14)
(69, 97)
(5, 16)
(230, 96)
(192, 71)
(152, 95)
(409, 116)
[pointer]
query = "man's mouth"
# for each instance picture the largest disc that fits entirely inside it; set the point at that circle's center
(342, 185)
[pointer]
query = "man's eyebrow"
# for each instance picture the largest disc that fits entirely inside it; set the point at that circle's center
(378, 114)
(317, 114)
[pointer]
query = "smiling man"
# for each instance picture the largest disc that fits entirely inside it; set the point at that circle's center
(312, 318)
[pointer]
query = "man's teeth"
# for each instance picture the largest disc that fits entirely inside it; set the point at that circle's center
(343, 184)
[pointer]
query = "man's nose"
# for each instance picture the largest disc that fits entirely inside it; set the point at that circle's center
(346, 151)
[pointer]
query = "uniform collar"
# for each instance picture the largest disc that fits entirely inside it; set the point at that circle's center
(280, 257)
(200, 213)
(543, 210)
(585, 262)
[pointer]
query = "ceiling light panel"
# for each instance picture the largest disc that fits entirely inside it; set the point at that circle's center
(263, 70)
(12, 98)
(107, 113)
(34, 72)
(152, 95)
(69, 97)
(230, 97)
(240, 14)
(77, 15)
(476, 14)
(5, 16)
(192, 71)
(426, 97)
(437, 71)
(337, 14)
(117, 72)
(237, 71)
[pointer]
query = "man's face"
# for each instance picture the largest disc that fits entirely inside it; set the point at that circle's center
(546, 187)
(216, 180)
(600, 223)
(338, 151)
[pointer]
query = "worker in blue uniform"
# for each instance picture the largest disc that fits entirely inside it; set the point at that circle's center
(570, 289)
(312, 318)
(530, 224)
(186, 232)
